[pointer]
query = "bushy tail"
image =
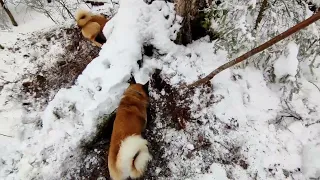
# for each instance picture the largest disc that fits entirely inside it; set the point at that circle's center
(133, 156)
(81, 14)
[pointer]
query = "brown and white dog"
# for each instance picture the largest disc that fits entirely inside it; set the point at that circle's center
(91, 26)
(128, 153)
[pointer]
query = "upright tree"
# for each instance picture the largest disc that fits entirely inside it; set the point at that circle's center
(192, 13)
(3, 5)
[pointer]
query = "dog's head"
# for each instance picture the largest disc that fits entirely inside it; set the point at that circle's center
(145, 86)
(138, 90)
(83, 17)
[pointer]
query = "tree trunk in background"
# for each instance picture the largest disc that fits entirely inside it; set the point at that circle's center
(260, 15)
(13, 21)
(190, 11)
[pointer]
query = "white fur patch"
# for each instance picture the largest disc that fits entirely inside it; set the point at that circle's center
(141, 163)
(128, 149)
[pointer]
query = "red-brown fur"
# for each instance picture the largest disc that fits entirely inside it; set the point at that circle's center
(131, 119)
(91, 25)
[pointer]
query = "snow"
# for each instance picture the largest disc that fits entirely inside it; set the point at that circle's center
(316, 2)
(251, 132)
(217, 173)
(311, 164)
(28, 21)
(253, 3)
(287, 65)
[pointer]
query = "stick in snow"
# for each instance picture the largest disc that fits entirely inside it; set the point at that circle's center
(258, 49)
(5, 135)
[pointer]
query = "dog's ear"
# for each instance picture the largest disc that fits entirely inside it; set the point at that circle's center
(146, 87)
(132, 80)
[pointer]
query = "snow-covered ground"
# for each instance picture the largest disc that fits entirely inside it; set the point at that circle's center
(243, 126)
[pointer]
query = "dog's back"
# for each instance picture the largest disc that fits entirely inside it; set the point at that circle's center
(91, 30)
(128, 153)
(100, 19)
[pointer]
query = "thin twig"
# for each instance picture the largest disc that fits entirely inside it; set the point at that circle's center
(315, 85)
(287, 9)
(316, 40)
(6, 135)
(65, 7)
(316, 122)
(7, 82)
(256, 50)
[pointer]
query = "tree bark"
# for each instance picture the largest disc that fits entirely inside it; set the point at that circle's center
(260, 15)
(189, 10)
(13, 21)
(258, 49)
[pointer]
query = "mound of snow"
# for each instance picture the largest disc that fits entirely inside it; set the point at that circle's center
(311, 163)
(71, 118)
(287, 65)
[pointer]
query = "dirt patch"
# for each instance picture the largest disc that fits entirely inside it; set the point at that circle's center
(77, 55)
(174, 104)
(97, 149)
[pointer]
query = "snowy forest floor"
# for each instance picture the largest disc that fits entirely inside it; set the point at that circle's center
(57, 91)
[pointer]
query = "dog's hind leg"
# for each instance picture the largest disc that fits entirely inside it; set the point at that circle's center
(96, 43)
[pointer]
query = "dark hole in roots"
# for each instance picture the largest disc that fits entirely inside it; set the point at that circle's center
(218, 2)
(193, 27)
(148, 50)
(140, 62)
(198, 31)
(312, 7)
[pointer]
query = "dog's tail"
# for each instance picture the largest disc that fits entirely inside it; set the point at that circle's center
(133, 156)
(82, 16)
